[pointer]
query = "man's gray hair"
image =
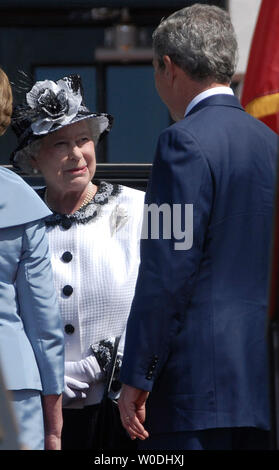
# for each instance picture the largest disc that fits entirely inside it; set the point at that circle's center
(200, 39)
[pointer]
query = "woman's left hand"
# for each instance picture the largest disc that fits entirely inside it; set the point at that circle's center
(52, 442)
(52, 408)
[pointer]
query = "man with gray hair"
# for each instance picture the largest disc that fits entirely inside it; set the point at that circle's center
(195, 372)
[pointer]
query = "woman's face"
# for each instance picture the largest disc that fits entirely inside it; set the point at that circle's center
(67, 158)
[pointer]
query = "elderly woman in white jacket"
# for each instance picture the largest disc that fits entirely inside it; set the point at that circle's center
(93, 233)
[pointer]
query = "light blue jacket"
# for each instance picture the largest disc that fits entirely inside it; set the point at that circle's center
(31, 336)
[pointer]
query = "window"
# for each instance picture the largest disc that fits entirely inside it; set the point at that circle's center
(139, 114)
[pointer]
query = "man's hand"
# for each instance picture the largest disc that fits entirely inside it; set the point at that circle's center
(132, 411)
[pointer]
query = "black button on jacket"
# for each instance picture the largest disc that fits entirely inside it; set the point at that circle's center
(67, 256)
(69, 329)
(67, 290)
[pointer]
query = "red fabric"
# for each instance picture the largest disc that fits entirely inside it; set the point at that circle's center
(262, 75)
(271, 121)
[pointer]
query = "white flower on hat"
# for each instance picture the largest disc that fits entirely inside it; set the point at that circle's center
(56, 102)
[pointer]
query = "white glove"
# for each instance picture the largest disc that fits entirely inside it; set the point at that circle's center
(87, 370)
(78, 376)
(73, 389)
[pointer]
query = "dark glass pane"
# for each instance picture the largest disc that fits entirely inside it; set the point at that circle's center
(139, 114)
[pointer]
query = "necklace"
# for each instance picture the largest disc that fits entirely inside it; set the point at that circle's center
(88, 197)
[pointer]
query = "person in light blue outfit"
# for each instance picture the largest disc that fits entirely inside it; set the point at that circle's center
(31, 337)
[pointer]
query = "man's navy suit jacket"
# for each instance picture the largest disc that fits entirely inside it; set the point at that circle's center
(196, 335)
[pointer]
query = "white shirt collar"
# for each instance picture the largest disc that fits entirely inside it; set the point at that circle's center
(224, 90)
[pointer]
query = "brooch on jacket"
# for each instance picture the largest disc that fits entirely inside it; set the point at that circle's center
(118, 218)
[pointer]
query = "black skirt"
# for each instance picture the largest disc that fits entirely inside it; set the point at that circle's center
(78, 427)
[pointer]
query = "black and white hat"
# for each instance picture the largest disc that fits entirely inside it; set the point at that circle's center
(49, 106)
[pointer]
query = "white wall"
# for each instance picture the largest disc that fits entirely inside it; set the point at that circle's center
(244, 14)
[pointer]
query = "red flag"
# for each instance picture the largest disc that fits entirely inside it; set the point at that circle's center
(260, 95)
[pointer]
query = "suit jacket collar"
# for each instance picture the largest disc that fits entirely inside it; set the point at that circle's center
(217, 100)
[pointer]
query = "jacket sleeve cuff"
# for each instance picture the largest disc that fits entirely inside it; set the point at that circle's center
(137, 381)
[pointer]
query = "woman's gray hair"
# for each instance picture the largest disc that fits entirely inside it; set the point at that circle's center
(200, 39)
(24, 156)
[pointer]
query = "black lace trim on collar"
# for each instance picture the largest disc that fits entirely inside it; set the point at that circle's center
(106, 191)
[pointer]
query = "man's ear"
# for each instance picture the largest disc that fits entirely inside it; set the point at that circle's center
(169, 68)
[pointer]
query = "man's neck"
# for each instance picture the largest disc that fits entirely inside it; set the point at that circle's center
(221, 89)
(189, 89)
